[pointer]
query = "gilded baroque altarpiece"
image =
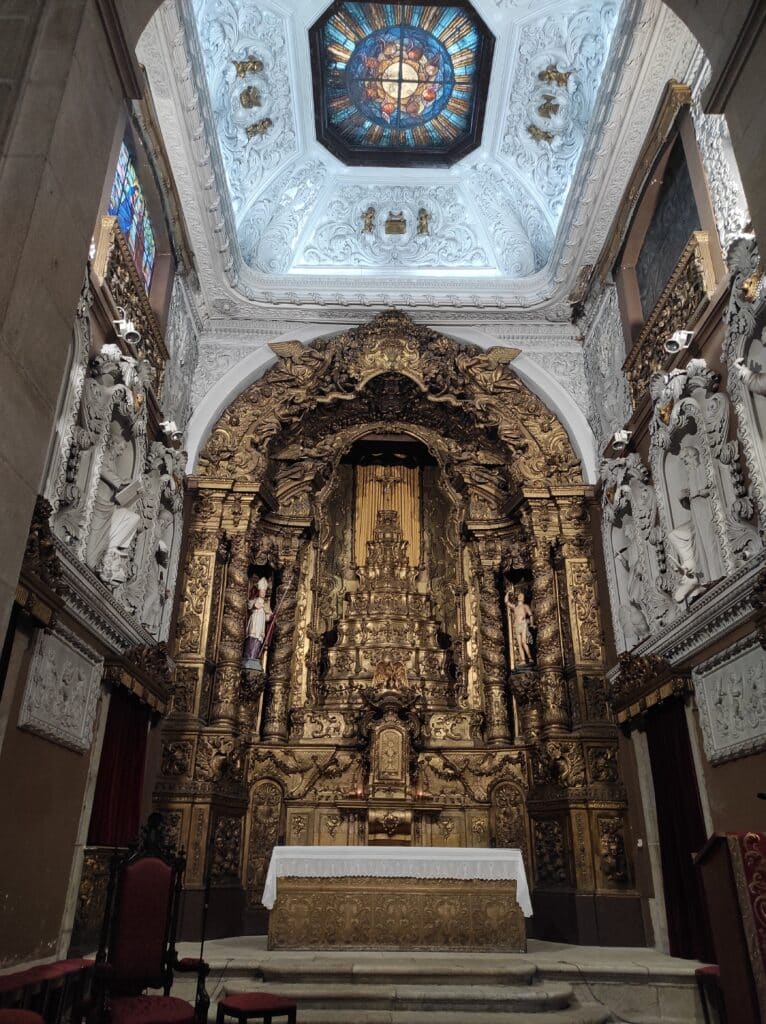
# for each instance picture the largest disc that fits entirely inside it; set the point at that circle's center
(394, 706)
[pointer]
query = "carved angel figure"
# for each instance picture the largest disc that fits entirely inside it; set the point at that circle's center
(368, 220)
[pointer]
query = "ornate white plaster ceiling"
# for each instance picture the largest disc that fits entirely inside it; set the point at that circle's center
(277, 220)
(299, 210)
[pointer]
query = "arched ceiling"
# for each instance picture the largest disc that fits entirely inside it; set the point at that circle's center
(299, 209)
(278, 220)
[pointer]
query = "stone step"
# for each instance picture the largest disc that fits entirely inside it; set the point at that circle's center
(590, 1014)
(427, 971)
(528, 999)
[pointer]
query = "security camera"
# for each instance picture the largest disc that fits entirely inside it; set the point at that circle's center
(125, 328)
(678, 340)
(620, 440)
(131, 335)
(171, 431)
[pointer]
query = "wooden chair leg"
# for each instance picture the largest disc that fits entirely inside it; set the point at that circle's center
(219, 1015)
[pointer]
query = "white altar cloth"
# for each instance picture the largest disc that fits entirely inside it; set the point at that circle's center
(396, 862)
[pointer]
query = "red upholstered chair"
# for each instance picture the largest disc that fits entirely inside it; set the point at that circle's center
(261, 1006)
(137, 949)
(20, 1017)
(55, 991)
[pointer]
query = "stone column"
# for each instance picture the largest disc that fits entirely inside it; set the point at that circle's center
(277, 698)
(492, 646)
(542, 524)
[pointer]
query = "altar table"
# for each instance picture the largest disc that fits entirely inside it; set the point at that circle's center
(434, 898)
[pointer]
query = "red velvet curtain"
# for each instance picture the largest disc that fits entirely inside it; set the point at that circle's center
(682, 830)
(116, 813)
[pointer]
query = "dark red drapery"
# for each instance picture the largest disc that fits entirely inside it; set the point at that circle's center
(116, 813)
(682, 830)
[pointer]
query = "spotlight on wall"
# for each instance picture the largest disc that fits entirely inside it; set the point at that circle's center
(170, 430)
(620, 440)
(678, 340)
(125, 328)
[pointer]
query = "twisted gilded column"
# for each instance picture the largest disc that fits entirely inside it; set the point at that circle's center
(542, 523)
(492, 645)
(233, 617)
(277, 697)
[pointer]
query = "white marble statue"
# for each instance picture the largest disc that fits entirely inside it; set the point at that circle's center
(632, 619)
(157, 592)
(694, 542)
(259, 609)
(754, 382)
(115, 522)
(521, 619)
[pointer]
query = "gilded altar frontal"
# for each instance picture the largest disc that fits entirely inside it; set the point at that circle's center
(408, 525)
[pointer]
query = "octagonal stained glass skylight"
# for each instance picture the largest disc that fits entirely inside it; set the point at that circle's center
(400, 84)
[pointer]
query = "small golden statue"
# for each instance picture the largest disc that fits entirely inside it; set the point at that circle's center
(553, 75)
(539, 134)
(368, 220)
(549, 106)
(249, 66)
(259, 128)
(395, 224)
(250, 97)
(423, 220)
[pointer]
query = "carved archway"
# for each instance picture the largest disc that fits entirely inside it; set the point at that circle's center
(463, 377)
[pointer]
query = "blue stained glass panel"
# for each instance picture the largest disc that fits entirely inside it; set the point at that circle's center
(401, 76)
(127, 204)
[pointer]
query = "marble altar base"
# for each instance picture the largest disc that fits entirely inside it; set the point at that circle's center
(432, 914)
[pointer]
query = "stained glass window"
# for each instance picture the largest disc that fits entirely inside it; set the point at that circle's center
(127, 204)
(406, 80)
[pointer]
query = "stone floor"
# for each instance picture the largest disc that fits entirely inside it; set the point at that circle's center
(550, 984)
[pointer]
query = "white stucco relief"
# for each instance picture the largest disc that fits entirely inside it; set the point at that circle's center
(731, 696)
(61, 695)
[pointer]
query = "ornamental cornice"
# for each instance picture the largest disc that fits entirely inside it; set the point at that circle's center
(729, 604)
(642, 681)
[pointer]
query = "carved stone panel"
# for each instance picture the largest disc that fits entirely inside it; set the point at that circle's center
(731, 696)
(62, 690)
